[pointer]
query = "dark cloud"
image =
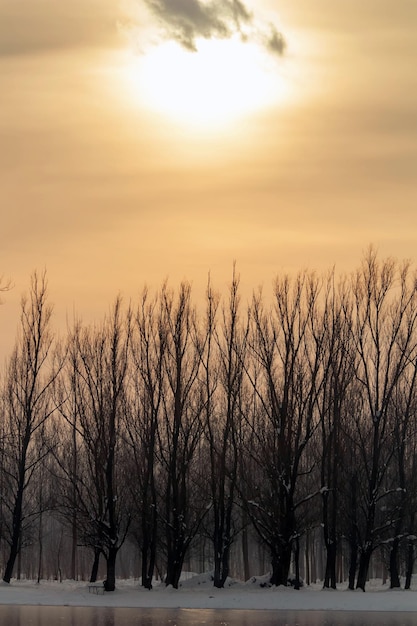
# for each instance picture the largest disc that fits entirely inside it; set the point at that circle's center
(275, 42)
(187, 20)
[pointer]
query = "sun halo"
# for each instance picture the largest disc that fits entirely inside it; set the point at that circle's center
(214, 86)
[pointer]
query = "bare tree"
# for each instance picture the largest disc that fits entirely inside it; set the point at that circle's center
(30, 376)
(180, 432)
(339, 372)
(223, 422)
(142, 420)
(286, 419)
(404, 431)
(384, 325)
(99, 484)
(68, 456)
(411, 513)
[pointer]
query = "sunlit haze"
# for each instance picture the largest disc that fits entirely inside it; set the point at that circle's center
(215, 86)
(149, 140)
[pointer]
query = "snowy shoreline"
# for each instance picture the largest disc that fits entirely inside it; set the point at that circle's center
(200, 594)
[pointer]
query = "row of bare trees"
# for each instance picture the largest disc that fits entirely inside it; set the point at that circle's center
(170, 425)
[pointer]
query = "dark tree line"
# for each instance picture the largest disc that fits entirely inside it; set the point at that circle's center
(173, 426)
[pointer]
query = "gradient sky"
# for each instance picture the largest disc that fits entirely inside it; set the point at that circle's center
(108, 192)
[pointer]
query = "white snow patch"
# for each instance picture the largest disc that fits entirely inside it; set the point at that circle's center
(198, 592)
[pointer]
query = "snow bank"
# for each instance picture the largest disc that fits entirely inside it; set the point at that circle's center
(198, 592)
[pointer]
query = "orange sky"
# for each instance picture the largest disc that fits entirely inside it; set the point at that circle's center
(108, 192)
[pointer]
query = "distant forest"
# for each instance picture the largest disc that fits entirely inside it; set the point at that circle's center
(276, 436)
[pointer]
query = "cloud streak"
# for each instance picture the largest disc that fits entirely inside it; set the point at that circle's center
(186, 21)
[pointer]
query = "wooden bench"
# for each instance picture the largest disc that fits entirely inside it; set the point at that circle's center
(97, 589)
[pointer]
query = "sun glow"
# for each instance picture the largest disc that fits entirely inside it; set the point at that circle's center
(218, 84)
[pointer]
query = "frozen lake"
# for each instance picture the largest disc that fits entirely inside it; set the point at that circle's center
(100, 616)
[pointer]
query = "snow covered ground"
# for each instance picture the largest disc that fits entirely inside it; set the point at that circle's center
(198, 592)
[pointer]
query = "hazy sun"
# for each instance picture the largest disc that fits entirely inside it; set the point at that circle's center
(216, 85)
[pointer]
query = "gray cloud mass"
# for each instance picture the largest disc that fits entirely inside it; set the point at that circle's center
(276, 42)
(187, 20)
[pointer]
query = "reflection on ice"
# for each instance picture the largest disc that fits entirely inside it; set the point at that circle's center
(94, 616)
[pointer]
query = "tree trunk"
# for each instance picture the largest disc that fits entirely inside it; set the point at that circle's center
(74, 540)
(149, 532)
(364, 561)
(58, 575)
(297, 583)
(393, 565)
(176, 548)
(353, 556)
(353, 539)
(19, 560)
(307, 558)
(280, 566)
(409, 565)
(148, 565)
(221, 566)
(8, 572)
(174, 569)
(245, 551)
(330, 573)
(221, 543)
(148, 552)
(14, 546)
(40, 543)
(110, 582)
(329, 532)
(94, 569)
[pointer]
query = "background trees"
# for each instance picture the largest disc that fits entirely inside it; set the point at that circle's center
(214, 438)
